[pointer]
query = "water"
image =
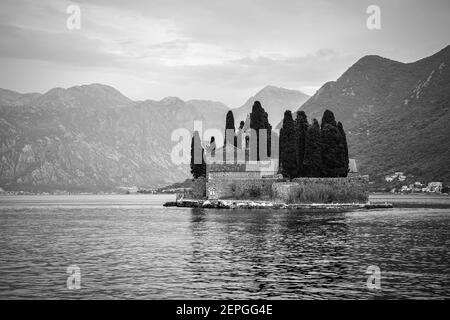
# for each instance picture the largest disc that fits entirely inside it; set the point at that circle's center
(131, 247)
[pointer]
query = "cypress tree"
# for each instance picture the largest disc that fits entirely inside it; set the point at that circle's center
(260, 120)
(328, 118)
(331, 151)
(343, 172)
(334, 147)
(230, 137)
(288, 147)
(198, 165)
(312, 161)
(229, 123)
(301, 126)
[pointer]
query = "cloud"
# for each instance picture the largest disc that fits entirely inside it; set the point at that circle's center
(220, 50)
(75, 50)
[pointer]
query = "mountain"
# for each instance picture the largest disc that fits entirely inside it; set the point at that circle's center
(93, 96)
(92, 138)
(396, 115)
(274, 100)
(13, 98)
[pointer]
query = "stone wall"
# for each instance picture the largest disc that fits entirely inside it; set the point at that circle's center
(247, 181)
(226, 167)
(245, 185)
(323, 190)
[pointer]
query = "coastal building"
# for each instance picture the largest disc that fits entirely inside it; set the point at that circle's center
(231, 173)
(400, 176)
(233, 165)
(434, 187)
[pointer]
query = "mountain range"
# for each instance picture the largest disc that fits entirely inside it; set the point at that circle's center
(92, 137)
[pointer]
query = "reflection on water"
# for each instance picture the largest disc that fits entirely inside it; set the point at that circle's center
(132, 247)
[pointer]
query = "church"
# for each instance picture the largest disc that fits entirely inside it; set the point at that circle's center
(248, 162)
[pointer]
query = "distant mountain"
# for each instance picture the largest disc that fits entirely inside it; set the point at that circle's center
(91, 138)
(396, 115)
(12, 98)
(93, 96)
(274, 100)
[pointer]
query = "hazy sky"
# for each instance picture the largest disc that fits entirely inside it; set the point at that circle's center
(207, 49)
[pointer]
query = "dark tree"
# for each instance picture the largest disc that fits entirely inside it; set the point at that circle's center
(229, 124)
(198, 165)
(301, 127)
(230, 137)
(343, 172)
(288, 147)
(328, 118)
(312, 161)
(334, 147)
(260, 120)
(331, 150)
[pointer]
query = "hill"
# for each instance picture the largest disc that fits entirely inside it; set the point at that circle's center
(92, 138)
(274, 100)
(395, 115)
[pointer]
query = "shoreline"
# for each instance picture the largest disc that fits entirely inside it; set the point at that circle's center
(256, 204)
(414, 200)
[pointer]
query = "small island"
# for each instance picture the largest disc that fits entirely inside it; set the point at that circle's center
(306, 167)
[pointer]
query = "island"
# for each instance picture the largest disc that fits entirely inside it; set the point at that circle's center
(306, 167)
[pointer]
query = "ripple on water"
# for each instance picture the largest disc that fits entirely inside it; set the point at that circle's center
(135, 248)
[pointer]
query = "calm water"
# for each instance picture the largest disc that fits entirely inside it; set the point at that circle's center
(131, 247)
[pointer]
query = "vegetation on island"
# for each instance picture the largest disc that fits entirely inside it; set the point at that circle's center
(313, 150)
(305, 150)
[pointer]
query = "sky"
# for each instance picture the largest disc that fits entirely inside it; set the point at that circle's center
(207, 49)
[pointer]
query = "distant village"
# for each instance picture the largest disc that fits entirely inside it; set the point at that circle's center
(416, 187)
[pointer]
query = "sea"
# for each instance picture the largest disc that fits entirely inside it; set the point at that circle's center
(131, 247)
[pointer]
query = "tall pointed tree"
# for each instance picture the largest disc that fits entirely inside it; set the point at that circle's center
(331, 151)
(312, 161)
(328, 118)
(301, 127)
(334, 147)
(344, 168)
(259, 120)
(198, 165)
(230, 137)
(288, 147)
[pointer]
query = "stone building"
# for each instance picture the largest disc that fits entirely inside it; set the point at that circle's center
(231, 173)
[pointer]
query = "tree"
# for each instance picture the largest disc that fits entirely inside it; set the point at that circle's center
(229, 123)
(334, 147)
(344, 169)
(445, 189)
(198, 165)
(331, 151)
(301, 127)
(328, 118)
(260, 120)
(230, 137)
(312, 161)
(288, 147)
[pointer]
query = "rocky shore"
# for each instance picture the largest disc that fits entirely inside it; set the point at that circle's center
(250, 204)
